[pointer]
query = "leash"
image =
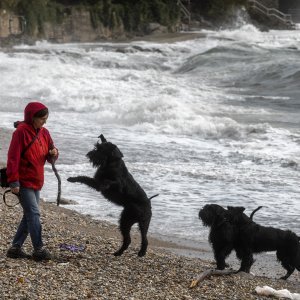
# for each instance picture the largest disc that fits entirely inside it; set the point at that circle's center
(4, 199)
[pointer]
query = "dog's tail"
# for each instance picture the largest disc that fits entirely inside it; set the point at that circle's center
(255, 210)
(153, 196)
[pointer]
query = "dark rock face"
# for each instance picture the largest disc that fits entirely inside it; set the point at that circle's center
(291, 7)
(76, 27)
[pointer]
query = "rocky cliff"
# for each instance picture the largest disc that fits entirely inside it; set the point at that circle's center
(76, 26)
(80, 23)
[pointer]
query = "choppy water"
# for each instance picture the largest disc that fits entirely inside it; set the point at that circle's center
(209, 120)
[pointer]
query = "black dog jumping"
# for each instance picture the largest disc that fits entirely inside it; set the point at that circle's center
(223, 234)
(254, 238)
(117, 185)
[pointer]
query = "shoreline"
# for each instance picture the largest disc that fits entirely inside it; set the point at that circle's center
(265, 263)
(171, 37)
(95, 273)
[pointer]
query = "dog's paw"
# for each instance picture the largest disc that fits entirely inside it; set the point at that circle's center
(141, 253)
(72, 179)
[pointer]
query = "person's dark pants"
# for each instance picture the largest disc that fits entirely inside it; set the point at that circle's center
(30, 223)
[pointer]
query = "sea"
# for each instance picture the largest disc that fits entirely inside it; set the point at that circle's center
(211, 119)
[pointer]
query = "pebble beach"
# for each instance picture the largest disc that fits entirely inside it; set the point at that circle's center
(83, 265)
(88, 270)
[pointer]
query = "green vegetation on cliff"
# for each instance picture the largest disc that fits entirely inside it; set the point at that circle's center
(134, 15)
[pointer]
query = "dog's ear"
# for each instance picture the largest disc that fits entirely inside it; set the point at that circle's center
(238, 209)
(103, 139)
(241, 209)
(235, 214)
(116, 153)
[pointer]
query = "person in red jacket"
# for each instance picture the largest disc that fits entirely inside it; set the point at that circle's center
(31, 146)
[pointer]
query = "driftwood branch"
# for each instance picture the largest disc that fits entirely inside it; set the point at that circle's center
(211, 272)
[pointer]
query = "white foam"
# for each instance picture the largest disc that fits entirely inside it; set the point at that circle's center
(185, 135)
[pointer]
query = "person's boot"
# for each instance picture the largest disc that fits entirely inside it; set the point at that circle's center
(41, 254)
(16, 251)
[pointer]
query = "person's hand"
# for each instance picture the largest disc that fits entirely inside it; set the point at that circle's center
(53, 152)
(15, 190)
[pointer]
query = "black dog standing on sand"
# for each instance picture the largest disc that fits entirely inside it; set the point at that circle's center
(117, 185)
(223, 234)
(254, 238)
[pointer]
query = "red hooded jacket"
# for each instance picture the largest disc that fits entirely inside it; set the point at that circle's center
(28, 170)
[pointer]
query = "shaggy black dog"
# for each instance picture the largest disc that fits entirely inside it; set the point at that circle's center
(223, 233)
(117, 185)
(254, 238)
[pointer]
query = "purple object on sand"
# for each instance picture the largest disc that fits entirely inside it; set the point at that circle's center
(72, 248)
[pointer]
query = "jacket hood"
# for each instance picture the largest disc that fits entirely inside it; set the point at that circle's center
(31, 109)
